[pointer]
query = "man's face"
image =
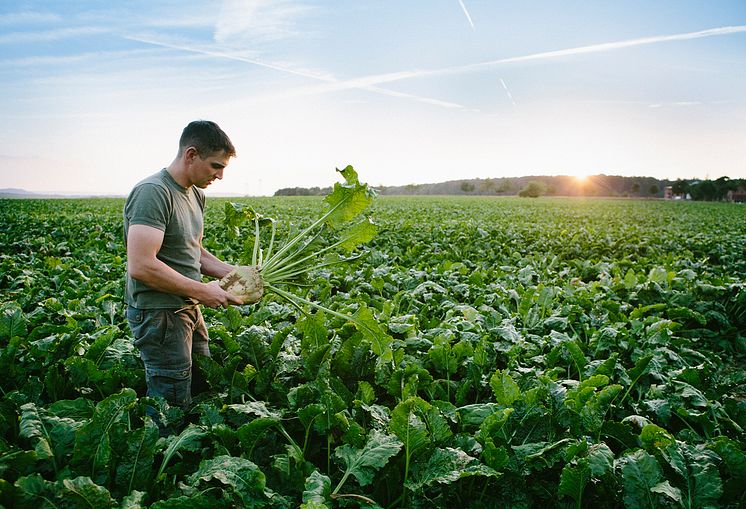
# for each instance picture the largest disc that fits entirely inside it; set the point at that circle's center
(203, 170)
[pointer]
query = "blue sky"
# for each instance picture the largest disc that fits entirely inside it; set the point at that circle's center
(95, 93)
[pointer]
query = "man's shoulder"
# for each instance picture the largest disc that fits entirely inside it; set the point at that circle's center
(156, 179)
(155, 183)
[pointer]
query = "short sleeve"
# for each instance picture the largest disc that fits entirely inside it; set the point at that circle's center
(149, 205)
(200, 198)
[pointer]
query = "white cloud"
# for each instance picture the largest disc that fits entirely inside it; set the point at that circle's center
(28, 18)
(174, 20)
(250, 21)
(683, 104)
(49, 35)
(91, 56)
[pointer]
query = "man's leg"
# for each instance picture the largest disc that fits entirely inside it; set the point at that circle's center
(165, 343)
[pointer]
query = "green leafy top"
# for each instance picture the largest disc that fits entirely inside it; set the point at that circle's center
(301, 254)
(347, 201)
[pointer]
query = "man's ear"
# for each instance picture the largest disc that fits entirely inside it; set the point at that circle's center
(190, 154)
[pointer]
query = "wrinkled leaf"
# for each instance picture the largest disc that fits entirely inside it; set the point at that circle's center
(33, 427)
(83, 492)
(358, 234)
(239, 474)
(446, 466)
(373, 332)
(362, 463)
(135, 469)
(93, 452)
(573, 480)
(350, 198)
(189, 439)
(640, 474)
(317, 492)
(251, 432)
(12, 321)
(505, 389)
(699, 476)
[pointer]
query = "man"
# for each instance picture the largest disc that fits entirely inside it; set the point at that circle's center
(163, 226)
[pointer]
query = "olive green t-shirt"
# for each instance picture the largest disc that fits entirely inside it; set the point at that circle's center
(159, 202)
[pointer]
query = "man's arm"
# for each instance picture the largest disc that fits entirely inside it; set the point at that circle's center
(143, 243)
(211, 265)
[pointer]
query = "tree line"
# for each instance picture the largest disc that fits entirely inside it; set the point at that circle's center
(708, 190)
(534, 186)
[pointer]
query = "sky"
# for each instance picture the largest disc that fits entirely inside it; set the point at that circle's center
(95, 93)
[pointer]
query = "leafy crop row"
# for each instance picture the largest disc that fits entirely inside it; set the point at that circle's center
(570, 353)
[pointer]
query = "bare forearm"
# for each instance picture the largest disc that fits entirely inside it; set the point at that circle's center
(212, 266)
(143, 243)
(157, 275)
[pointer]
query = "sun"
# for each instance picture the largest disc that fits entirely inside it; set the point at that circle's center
(581, 176)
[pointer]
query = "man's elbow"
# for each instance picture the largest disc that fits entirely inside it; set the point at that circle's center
(137, 271)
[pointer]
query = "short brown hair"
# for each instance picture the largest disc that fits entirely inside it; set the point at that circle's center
(207, 137)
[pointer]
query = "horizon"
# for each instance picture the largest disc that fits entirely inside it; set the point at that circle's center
(581, 180)
(96, 95)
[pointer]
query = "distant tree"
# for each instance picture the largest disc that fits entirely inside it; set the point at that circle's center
(680, 187)
(301, 191)
(505, 186)
(722, 186)
(654, 189)
(534, 189)
(704, 190)
(636, 187)
(487, 186)
(467, 187)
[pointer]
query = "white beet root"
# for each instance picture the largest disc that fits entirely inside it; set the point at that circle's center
(244, 282)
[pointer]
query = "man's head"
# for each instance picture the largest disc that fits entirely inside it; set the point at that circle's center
(204, 151)
(207, 138)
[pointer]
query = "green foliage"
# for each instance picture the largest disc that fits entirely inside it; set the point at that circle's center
(483, 353)
(92, 454)
(362, 463)
(534, 189)
(317, 491)
(446, 466)
(641, 474)
(243, 478)
(504, 387)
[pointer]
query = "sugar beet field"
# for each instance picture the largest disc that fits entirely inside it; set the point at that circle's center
(528, 353)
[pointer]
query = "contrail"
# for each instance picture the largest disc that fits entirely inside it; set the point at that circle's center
(369, 82)
(510, 96)
(595, 48)
(547, 55)
(332, 84)
(229, 56)
(468, 17)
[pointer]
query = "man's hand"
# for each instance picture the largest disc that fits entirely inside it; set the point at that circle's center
(214, 296)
